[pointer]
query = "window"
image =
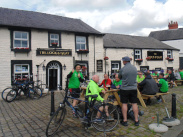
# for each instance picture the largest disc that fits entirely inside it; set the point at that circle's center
(115, 67)
(84, 68)
(20, 39)
(21, 71)
(54, 38)
(99, 65)
(137, 54)
(81, 43)
(169, 53)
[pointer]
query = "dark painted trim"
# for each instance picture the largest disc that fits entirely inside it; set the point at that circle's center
(86, 35)
(134, 53)
(54, 32)
(86, 62)
(138, 48)
(11, 37)
(54, 61)
(115, 62)
(20, 62)
(171, 53)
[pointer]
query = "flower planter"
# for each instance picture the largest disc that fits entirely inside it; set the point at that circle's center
(21, 50)
(139, 61)
(170, 59)
(83, 51)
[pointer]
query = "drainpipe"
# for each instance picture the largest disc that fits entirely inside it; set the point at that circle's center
(105, 60)
(94, 54)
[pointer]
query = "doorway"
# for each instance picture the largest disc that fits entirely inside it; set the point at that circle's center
(53, 79)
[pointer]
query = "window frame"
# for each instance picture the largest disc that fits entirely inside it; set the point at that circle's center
(20, 39)
(21, 71)
(115, 62)
(86, 43)
(171, 55)
(21, 62)
(140, 54)
(98, 70)
(12, 30)
(49, 39)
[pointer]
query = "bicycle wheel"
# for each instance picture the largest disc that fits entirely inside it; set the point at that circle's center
(104, 124)
(11, 95)
(55, 121)
(35, 93)
(5, 92)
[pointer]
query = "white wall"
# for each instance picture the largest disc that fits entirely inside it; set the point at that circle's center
(176, 44)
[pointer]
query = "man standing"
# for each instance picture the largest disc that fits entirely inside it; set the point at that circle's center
(74, 82)
(128, 90)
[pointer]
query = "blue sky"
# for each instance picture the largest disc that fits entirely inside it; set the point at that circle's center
(134, 17)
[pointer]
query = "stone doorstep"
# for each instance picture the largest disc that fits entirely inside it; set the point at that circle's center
(174, 131)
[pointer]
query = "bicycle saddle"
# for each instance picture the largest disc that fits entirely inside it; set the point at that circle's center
(93, 96)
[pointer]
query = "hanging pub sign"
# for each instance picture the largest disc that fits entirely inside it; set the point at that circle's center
(53, 52)
(155, 55)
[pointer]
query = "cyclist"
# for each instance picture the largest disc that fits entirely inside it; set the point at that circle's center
(93, 89)
(74, 82)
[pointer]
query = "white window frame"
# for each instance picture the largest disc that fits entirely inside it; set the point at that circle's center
(54, 39)
(21, 72)
(169, 54)
(137, 54)
(21, 39)
(80, 42)
(114, 68)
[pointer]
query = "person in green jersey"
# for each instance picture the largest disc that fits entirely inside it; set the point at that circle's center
(181, 73)
(75, 77)
(140, 77)
(116, 83)
(94, 89)
(163, 85)
(156, 74)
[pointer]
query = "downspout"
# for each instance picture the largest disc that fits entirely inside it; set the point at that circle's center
(94, 54)
(105, 60)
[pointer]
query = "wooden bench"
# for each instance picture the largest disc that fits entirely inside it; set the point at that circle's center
(171, 85)
(144, 96)
(178, 81)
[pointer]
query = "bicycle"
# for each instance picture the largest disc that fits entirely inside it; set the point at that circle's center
(88, 118)
(42, 86)
(27, 88)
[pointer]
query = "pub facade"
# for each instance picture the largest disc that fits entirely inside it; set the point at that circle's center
(45, 48)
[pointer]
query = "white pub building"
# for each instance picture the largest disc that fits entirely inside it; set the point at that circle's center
(46, 47)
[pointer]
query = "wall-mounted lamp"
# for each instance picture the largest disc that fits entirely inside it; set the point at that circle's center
(64, 66)
(43, 67)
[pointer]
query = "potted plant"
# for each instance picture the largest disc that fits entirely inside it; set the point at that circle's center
(139, 60)
(167, 58)
(106, 58)
(148, 58)
(170, 59)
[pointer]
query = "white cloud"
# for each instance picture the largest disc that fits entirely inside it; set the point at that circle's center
(137, 17)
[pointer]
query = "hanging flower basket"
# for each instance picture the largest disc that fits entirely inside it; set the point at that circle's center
(130, 58)
(106, 58)
(148, 58)
(167, 58)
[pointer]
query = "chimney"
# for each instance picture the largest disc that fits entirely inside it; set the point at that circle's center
(173, 25)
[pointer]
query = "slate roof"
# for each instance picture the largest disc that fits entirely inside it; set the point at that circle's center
(30, 19)
(164, 35)
(134, 42)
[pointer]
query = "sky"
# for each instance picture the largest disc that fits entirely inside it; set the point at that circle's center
(131, 17)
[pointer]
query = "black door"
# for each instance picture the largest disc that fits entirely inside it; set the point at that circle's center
(53, 79)
(181, 62)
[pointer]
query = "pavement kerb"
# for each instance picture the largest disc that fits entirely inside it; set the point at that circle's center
(174, 131)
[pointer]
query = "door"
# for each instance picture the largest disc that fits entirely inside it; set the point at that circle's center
(53, 79)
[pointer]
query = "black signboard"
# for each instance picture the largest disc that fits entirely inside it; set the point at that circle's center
(155, 55)
(54, 52)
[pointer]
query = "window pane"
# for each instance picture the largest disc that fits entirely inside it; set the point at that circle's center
(56, 36)
(17, 34)
(18, 68)
(17, 76)
(52, 36)
(24, 35)
(77, 46)
(82, 46)
(78, 39)
(24, 68)
(24, 44)
(83, 39)
(17, 43)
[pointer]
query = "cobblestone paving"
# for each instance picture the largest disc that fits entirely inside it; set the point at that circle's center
(29, 118)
